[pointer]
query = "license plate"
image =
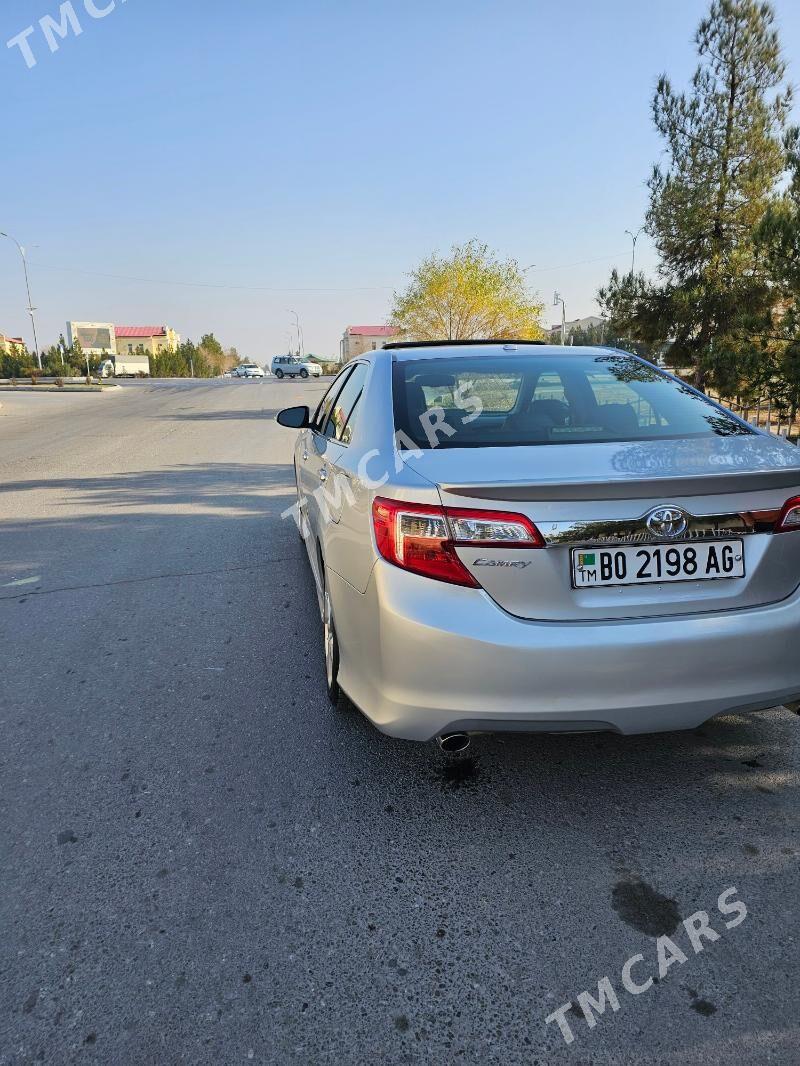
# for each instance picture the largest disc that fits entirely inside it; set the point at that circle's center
(657, 563)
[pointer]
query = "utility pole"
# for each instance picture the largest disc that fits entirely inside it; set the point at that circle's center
(558, 299)
(634, 238)
(300, 344)
(30, 307)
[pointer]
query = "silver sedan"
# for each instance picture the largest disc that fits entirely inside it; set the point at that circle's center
(512, 536)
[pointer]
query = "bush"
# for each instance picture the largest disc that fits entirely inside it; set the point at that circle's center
(11, 366)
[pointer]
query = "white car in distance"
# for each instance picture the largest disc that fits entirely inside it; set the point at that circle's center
(247, 370)
(292, 366)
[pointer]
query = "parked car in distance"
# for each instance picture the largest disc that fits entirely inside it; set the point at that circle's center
(291, 366)
(247, 370)
(509, 537)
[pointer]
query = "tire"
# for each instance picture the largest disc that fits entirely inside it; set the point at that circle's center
(303, 373)
(297, 493)
(278, 373)
(331, 650)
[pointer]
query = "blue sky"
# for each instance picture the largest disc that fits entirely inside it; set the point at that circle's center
(305, 155)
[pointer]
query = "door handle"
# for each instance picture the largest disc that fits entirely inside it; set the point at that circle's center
(323, 474)
(305, 457)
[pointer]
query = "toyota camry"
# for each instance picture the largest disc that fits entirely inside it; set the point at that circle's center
(513, 536)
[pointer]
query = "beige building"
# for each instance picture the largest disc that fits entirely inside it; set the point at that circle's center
(360, 339)
(583, 324)
(153, 339)
(11, 345)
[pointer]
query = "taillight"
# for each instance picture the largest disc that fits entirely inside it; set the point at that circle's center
(790, 516)
(423, 538)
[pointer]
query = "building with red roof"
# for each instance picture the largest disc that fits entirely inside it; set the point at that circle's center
(153, 339)
(360, 339)
(104, 338)
(11, 345)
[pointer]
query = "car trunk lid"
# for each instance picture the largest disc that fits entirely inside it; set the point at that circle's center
(585, 495)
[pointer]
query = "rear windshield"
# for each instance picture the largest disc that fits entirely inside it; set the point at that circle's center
(492, 401)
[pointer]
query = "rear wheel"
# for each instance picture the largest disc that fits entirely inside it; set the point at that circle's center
(278, 373)
(331, 648)
(299, 508)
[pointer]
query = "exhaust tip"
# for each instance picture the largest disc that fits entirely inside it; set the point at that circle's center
(453, 743)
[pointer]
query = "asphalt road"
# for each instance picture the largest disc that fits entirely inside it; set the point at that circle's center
(203, 863)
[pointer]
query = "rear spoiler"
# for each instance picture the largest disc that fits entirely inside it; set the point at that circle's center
(639, 489)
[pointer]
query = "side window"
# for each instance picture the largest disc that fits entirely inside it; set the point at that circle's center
(340, 424)
(327, 401)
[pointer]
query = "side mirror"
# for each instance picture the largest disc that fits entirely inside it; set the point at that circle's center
(294, 417)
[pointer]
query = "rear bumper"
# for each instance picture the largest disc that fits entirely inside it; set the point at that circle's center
(421, 658)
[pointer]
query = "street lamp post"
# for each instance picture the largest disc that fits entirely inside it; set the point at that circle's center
(634, 238)
(558, 299)
(30, 307)
(300, 343)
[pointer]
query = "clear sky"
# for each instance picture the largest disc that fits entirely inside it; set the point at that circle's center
(212, 165)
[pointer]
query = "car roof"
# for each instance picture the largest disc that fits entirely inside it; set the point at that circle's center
(458, 349)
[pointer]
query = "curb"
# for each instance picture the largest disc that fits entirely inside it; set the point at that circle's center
(66, 390)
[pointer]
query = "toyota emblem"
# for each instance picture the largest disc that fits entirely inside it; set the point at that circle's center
(667, 522)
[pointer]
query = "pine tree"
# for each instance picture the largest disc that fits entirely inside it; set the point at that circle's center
(724, 157)
(778, 237)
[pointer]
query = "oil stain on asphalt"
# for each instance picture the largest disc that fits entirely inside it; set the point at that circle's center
(460, 773)
(644, 908)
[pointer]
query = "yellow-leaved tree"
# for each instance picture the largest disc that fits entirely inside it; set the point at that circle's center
(468, 295)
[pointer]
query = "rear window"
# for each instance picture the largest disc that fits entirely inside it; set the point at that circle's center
(486, 401)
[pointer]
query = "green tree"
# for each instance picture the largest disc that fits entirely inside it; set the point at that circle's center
(778, 238)
(169, 363)
(211, 356)
(77, 358)
(14, 362)
(468, 295)
(724, 158)
(206, 359)
(53, 361)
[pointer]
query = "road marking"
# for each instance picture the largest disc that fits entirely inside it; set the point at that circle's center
(22, 581)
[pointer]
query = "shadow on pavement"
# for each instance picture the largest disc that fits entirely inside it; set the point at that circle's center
(141, 523)
(222, 416)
